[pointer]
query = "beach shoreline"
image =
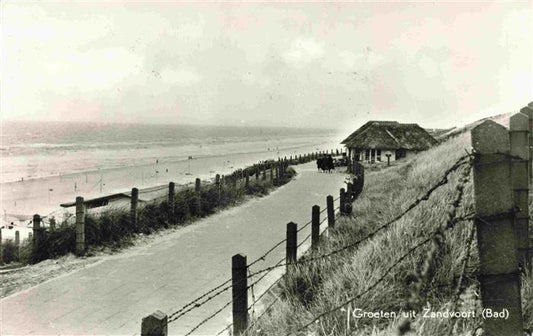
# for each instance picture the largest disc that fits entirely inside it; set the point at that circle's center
(20, 200)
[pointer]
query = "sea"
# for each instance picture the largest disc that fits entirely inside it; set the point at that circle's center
(44, 164)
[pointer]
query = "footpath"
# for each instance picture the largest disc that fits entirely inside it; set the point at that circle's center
(111, 297)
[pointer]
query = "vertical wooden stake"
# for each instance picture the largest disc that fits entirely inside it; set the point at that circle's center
(264, 174)
(133, 208)
(171, 196)
(342, 201)
(292, 244)
(155, 324)
(52, 223)
(349, 191)
(36, 231)
(80, 226)
(198, 191)
(315, 226)
(247, 181)
(499, 277)
(271, 174)
(331, 212)
(217, 184)
(519, 138)
(17, 245)
(239, 278)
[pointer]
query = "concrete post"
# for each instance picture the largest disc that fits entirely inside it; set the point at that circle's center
(528, 111)
(239, 278)
(315, 226)
(155, 324)
(80, 226)
(498, 274)
(519, 140)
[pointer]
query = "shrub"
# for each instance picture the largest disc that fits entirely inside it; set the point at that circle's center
(9, 251)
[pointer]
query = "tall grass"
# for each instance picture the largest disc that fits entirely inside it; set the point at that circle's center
(114, 228)
(313, 288)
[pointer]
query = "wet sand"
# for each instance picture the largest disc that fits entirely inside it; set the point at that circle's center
(43, 195)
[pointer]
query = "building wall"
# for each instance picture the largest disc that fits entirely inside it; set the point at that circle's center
(377, 154)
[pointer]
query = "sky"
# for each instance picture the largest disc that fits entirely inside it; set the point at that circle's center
(300, 64)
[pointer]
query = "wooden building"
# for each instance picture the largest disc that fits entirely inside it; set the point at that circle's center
(378, 140)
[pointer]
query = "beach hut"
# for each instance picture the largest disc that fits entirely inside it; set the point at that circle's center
(382, 140)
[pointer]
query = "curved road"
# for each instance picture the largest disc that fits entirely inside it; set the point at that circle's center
(111, 297)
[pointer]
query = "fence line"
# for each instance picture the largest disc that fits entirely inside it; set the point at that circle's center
(265, 271)
(488, 165)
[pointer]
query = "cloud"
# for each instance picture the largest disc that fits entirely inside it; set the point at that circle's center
(304, 51)
(180, 76)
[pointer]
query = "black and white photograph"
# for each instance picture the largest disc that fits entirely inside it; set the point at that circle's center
(266, 168)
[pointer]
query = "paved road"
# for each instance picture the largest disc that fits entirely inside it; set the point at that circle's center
(111, 297)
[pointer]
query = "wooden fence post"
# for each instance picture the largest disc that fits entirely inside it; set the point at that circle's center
(292, 244)
(17, 245)
(155, 324)
(171, 196)
(331, 212)
(80, 226)
(528, 110)
(198, 191)
(133, 208)
(519, 138)
(36, 230)
(271, 174)
(277, 175)
(349, 191)
(315, 226)
(342, 201)
(52, 223)
(247, 179)
(217, 184)
(239, 278)
(264, 174)
(499, 277)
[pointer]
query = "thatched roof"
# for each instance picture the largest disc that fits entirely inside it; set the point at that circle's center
(390, 135)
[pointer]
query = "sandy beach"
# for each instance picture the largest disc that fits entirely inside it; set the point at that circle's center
(20, 200)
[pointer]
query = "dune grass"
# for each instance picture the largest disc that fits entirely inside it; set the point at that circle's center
(114, 229)
(317, 287)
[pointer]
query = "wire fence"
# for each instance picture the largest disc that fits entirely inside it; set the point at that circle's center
(450, 224)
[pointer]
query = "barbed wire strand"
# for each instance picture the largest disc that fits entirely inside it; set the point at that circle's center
(209, 318)
(460, 287)
(419, 200)
(194, 302)
(423, 274)
(381, 279)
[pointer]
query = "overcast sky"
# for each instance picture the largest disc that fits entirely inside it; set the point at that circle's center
(285, 64)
